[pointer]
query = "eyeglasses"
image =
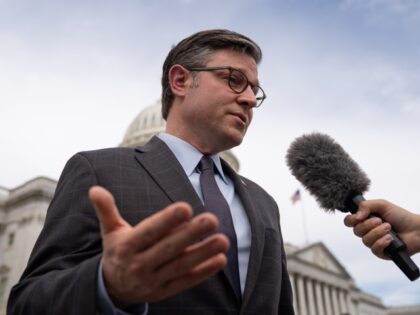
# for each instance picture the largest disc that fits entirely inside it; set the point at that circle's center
(238, 82)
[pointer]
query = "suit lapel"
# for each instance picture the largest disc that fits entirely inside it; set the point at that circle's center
(257, 231)
(159, 161)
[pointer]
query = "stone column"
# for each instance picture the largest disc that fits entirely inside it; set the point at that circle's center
(328, 305)
(334, 298)
(319, 301)
(350, 304)
(343, 306)
(302, 300)
(310, 294)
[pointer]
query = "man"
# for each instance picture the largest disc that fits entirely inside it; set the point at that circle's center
(160, 253)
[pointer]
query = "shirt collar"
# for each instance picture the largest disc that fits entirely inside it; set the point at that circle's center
(188, 155)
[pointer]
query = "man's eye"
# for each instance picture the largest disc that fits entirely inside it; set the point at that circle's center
(235, 80)
(225, 77)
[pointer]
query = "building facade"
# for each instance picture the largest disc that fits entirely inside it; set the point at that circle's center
(321, 284)
(22, 215)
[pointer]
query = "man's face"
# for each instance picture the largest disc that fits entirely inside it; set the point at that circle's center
(214, 116)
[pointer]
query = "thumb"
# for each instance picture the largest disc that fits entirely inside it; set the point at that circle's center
(106, 210)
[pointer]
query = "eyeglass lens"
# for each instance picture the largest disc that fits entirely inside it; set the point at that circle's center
(239, 82)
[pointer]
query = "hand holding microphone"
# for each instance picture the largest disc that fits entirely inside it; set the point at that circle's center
(337, 182)
(374, 231)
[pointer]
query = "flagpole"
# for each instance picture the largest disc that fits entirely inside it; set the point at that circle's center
(296, 197)
(304, 223)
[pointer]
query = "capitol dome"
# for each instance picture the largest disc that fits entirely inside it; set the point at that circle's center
(150, 122)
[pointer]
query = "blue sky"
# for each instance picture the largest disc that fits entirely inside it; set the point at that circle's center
(73, 75)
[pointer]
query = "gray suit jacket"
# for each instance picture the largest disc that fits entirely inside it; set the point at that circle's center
(61, 274)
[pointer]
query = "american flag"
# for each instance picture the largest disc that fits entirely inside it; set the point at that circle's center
(295, 197)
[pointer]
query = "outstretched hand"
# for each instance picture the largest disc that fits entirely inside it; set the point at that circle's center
(162, 255)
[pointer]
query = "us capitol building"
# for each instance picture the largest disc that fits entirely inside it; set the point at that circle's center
(321, 284)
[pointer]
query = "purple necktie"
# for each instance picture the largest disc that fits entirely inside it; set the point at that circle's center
(217, 204)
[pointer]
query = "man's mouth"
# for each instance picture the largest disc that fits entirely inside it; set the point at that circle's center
(241, 116)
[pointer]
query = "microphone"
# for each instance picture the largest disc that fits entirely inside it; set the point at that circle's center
(337, 182)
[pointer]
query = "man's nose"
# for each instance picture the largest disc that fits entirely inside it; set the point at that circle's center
(248, 98)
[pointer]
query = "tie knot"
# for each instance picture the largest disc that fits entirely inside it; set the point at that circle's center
(205, 163)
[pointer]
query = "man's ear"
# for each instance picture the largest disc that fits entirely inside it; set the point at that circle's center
(179, 80)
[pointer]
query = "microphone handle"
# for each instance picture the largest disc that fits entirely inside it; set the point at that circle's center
(396, 250)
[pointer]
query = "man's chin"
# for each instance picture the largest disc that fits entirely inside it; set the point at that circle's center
(234, 140)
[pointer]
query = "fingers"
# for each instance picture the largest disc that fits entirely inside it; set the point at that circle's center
(196, 265)
(362, 213)
(375, 235)
(199, 262)
(173, 245)
(366, 226)
(193, 256)
(106, 210)
(139, 262)
(193, 278)
(165, 222)
(350, 220)
(379, 246)
(181, 243)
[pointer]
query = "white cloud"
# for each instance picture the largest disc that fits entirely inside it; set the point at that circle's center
(412, 107)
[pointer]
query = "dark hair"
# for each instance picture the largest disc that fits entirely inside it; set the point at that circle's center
(196, 50)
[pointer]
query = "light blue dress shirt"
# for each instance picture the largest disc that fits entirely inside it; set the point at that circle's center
(188, 156)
